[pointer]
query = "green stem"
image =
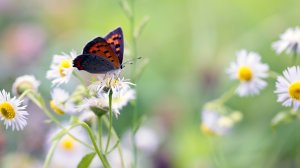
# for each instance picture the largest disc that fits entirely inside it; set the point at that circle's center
(133, 39)
(100, 132)
(106, 121)
(114, 147)
(121, 155)
(41, 103)
(133, 76)
(25, 93)
(226, 96)
(50, 154)
(134, 130)
(101, 156)
(110, 119)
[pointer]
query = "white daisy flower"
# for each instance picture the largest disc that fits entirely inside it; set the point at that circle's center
(61, 68)
(61, 102)
(68, 152)
(12, 112)
(289, 41)
(110, 81)
(119, 99)
(213, 123)
(288, 87)
(24, 83)
(249, 70)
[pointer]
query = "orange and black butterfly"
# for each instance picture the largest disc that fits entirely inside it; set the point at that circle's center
(102, 55)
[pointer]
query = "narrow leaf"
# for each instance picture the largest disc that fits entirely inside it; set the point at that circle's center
(86, 160)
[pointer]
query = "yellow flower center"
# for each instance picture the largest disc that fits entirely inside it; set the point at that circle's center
(64, 64)
(68, 143)
(7, 110)
(112, 83)
(55, 108)
(245, 74)
(207, 130)
(294, 90)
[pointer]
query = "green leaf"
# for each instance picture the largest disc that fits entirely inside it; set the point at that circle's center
(86, 160)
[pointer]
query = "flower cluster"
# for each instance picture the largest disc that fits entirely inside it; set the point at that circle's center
(109, 92)
(251, 73)
(217, 121)
(12, 109)
(89, 106)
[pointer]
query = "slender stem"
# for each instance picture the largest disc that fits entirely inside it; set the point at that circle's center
(25, 93)
(114, 147)
(101, 156)
(134, 130)
(135, 151)
(42, 105)
(100, 132)
(226, 96)
(133, 39)
(121, 155)
(110, 119)
(50, 154)
(133, 76)
(106, 121)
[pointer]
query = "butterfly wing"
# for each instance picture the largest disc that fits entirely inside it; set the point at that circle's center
(93, 63)
(116, 41)
(100, 47)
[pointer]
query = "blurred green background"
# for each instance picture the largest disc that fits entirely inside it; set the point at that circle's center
(189, 44)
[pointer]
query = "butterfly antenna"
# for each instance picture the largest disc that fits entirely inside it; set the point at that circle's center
(131, 61)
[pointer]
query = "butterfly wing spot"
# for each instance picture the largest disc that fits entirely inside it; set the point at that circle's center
(115, 39)
(102, 48)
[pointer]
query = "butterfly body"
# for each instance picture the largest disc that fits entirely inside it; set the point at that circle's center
(102, 55)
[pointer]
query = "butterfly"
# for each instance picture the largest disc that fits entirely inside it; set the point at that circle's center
(102, 55)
